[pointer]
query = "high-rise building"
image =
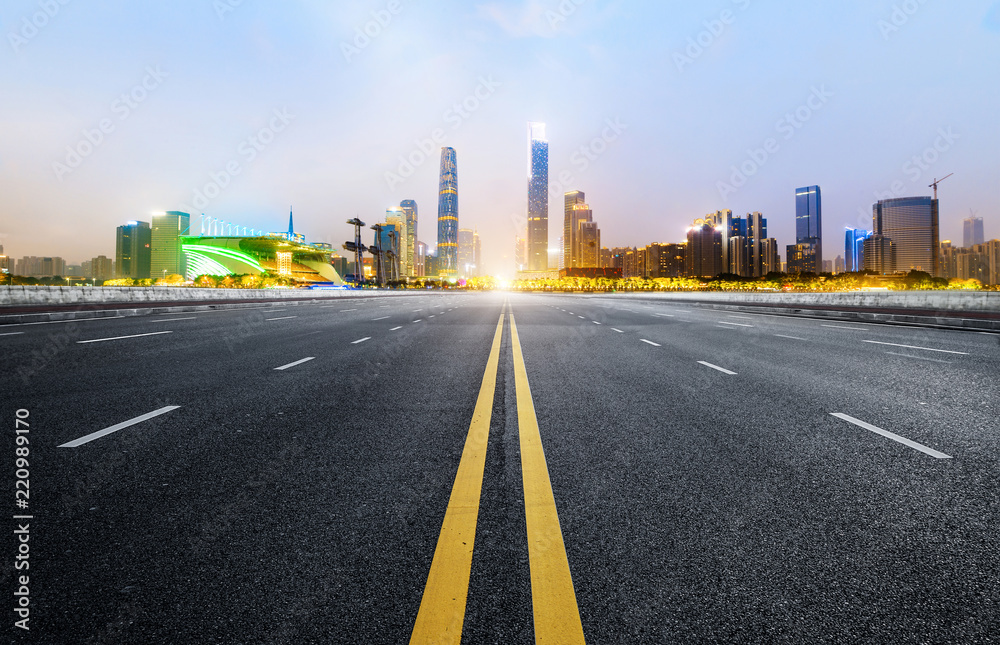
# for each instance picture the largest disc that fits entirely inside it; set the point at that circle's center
(420, 260)
(447, 241)
(465, 252)
(809, 223)
(854, 249)
(410, 213)
(973, 231)
(570, 219)
(879, 254)
(133, 250)
(520, 253)
(538, 198)
(101, 268)
(7, 263)
(166, 257)
(912, 225)
(769, 257)
(477, 255)
(395, 218)
(838, 265)
(40, 267)
(704, 250)
(588, 242)
(801, 258)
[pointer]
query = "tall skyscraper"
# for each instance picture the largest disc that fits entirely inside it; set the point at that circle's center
(879, 254)
(973, 231)
(133, 250)
(854, 249)
(588, 245)
(538, 198)
(704, 250)
(166, 257)
(477, 254)
(396, 218)
(447, 239)
(912, 225)
(520, 253)
(809, 223)
(410, 212)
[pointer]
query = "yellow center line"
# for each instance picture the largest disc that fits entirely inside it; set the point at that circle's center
(557, 617)
(442, 609)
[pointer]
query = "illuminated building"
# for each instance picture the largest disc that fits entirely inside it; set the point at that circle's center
(809, 225)
(466, 259)
(166, 257)
(879, 254)
(972, 231)
(801, 258)
(447, 238)
(410, 212)
(912, 225)
(571, 216)
(704, 250)
(538, 198)
(477, 255)
(854, 249)
(133, 250)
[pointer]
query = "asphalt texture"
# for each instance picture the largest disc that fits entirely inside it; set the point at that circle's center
(697, 505)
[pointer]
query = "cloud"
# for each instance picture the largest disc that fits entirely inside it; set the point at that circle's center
(526, 21)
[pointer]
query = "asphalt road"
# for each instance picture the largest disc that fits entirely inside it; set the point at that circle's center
(705, 490)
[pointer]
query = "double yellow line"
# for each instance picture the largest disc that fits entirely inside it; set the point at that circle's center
(442, 609)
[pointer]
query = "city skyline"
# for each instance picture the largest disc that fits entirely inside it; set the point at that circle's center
(263, 137)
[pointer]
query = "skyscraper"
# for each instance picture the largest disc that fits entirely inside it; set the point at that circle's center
(396, 218)
(166, 257)
(133, 250)
(538, 198)
(410, 211)
(477, 255)
(973, 231)
(704, 250)
(570, 201)
(912, 225)
(809, 223)
(854, 249)
(447, 239)
(466, 252)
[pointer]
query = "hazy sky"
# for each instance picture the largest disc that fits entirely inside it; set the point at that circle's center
(649, 109)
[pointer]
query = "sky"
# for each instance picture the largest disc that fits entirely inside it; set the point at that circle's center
(660, 112)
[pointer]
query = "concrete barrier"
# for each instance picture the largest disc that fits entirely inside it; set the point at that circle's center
(35, 295)
(943, 301)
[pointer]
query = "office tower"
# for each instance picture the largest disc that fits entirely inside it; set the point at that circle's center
(410, 212)
(570, 218)
(133, 245)
(801, 258)
(538, 198)
(477, 255)
(973, 231)
(40, 267)
(757, 234)
(465, 252)
(838, 265)
(7, 263)
(420, 260)
(588, 238)
(912, 225)
(101, 268)
(166, 257)
(770, 259)
(728, 227)
(704, 250)
(395, 217)
(520, 253)
(948, 259)
(809, 223)
(447, 241)
(854, 249)
(879, 254)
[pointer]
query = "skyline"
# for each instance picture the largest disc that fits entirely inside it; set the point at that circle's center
(646, 129)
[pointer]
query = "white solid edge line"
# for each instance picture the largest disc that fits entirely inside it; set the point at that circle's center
(891, 435)
(12, 333)
(617, 330)
(101, 340)
(650, 342)
(716, 367)
(844, 327)
(361, 340)
(285, 367)
(792, 337)
(115, 428)
(926, 349)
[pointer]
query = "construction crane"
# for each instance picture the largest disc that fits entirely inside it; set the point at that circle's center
(936, 182)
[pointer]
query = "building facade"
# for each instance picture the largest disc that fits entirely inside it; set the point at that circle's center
(133, 250)
(912, 225)
(409, 207)
(704, 250)
(166, 257)
(809, 224)
(972, 231)
(854, 249)
(538, 198)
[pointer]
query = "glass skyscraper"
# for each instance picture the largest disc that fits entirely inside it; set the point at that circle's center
(538, 198)
(133, 250)
(166, 257)
(912, 225)
(854, 249)
(809, 222)
(410, 211)
(447, 241)
(972, 232)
